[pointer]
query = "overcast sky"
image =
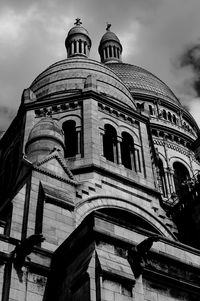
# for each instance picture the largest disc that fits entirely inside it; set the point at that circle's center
(162, 36)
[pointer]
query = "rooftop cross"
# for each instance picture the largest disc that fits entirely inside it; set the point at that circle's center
(108, 26)
(78, 21)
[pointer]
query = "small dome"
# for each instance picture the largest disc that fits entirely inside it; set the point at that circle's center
(76, 30)
(109, 36)
(43, 138)
(78, 42)
(110, 48)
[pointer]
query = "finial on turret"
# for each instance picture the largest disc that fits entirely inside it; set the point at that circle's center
(78, 21)
(110, 48)
(108, 26)
(78, 42)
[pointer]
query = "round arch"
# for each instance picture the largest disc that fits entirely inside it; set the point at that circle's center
(100, 202)
(124, 128)
(163, 159)
(114, 124)
(73, 117)
(174, 159)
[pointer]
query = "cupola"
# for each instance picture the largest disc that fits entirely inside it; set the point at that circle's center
(45, 136)
(110, 48)
(78, 42)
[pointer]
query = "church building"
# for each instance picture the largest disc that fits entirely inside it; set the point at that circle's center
(99, 184)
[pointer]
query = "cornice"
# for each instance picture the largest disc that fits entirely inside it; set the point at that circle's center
(115, 113)
(38, 167)
(58, 103)
(53, 175)
(172, 131)
(182, 150)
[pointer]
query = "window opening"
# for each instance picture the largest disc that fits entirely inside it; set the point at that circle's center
(80, 46)
(164, 114)
(85, 48)
(106, 52)
(181, 174)
(110, 51)
(114, 49)
(110, 143)
(150, 110)
(169, 116)
(174, 119)
(71, 138)
(127, 151)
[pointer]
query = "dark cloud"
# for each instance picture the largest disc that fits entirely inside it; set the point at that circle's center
(191, 58)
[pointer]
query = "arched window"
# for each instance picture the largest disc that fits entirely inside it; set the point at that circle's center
(164, 114)
(110, 51)
(180, 175)
(106, 52)
(114, 49)
(110, 143)
(169, 116)
(150, 110)
(162, 178)
(127, 151)
(174, 119)
(71, 138)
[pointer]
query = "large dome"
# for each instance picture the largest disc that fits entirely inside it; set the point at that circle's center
(139, 80)
(70, 75)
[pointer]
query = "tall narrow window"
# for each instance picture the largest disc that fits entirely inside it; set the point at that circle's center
(164, 114)
(150, 110)
(162, 178)
(180, 175)
(110, 51)
(106, 52)
(174, 119)
(110, 143)
(85, 44)
(127, 151)
(114, 49)
(71, 138)
(169, 116)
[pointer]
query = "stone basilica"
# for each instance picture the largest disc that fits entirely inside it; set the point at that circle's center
(99, 184)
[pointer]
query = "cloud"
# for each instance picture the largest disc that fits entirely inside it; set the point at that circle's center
(155, 34)
(6, 116)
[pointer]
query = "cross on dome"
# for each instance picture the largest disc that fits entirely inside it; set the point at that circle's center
(78, 21)
(108, 26)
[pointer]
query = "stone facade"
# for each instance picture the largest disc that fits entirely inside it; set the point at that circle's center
(100, 159)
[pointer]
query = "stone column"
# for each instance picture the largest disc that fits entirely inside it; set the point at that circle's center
(118, 146)
(72, 48)
(78, 133)
(102, 132)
